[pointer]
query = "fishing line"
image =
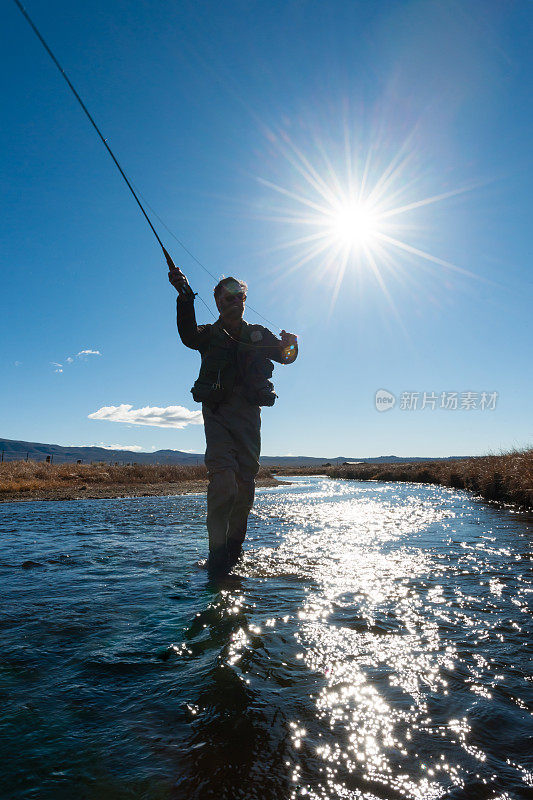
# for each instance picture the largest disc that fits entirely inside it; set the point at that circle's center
(129, 185)
(171, 232)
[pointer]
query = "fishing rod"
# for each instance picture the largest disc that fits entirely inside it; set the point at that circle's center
(104, 141)
(93, 123)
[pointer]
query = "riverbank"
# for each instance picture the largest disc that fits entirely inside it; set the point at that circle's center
(32, 480)
(506, 478)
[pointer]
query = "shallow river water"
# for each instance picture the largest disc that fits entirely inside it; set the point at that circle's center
(376, 644)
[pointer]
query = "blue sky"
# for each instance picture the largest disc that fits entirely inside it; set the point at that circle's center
(250, 127)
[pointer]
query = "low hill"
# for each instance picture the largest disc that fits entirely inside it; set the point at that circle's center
(14, 450)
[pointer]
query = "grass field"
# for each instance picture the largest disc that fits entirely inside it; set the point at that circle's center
(29, 479)
(506, 478)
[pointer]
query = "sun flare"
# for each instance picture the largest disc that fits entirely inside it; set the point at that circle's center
(355, 212)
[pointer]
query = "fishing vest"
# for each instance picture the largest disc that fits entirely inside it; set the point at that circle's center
(226, 362)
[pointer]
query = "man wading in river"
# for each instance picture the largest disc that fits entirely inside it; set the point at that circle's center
(232, 385)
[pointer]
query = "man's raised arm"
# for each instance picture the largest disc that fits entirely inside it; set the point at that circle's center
(190, 333)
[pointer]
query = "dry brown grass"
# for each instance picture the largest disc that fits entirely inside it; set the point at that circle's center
(26, 476)
(34, 476)
(507, 477)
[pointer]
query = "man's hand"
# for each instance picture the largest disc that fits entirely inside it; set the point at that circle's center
(178, 279)
(289, 345)
(288, 338)
(180, 282)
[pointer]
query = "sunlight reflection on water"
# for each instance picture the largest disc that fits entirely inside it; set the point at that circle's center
(381, 636)
(373, 645)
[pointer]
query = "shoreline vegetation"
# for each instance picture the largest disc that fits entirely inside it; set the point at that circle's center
(37, 480)
(504, 478)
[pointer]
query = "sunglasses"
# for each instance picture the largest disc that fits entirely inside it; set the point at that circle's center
(228, 298)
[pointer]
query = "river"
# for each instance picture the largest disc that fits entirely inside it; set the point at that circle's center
(375, 645)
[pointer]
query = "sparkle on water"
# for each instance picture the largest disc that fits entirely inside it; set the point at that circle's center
(373, 646)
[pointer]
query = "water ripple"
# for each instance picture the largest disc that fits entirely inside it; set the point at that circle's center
(374, 645)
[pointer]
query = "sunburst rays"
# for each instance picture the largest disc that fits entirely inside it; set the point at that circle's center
(355, 212)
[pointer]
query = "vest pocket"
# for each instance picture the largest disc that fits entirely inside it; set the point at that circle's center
(215, 381)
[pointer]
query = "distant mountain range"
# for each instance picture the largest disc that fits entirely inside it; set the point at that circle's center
(12, 450)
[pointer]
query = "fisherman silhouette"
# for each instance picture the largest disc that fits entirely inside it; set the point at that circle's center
(233, 384)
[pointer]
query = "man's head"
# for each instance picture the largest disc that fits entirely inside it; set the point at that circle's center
(230, 296)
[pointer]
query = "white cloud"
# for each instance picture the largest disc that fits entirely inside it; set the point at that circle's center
(169, 417)
(135, 447)
(70, 359)
(18, 363)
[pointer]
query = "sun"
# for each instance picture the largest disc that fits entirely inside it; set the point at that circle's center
(354, 211)
(354, 224)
